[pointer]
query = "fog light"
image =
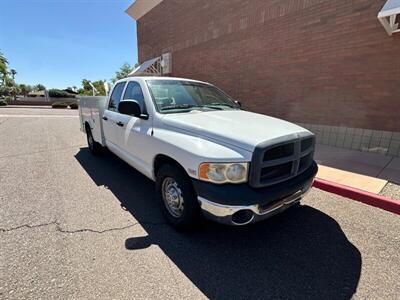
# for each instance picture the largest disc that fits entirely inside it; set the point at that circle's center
(242, 217)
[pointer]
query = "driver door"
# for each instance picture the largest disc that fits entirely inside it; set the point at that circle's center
(134, 134)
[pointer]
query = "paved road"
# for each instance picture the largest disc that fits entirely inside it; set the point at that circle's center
(64, 235)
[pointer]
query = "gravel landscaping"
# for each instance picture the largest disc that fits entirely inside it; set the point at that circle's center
(391, 190)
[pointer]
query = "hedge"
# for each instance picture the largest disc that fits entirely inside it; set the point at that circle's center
(55, 93)
(59, 105)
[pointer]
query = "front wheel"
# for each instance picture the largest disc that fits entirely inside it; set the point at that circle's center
(177, 197)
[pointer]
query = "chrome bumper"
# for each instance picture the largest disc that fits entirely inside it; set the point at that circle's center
(227, 214)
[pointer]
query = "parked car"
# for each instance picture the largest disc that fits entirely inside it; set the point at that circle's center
(205, 153)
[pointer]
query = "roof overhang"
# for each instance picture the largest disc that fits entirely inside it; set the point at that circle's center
(389, 16)
(141, 7)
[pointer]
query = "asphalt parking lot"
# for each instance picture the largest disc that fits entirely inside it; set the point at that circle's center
(64, 234)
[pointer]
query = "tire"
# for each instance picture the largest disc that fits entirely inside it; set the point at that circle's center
(94, 147)
(177, 198)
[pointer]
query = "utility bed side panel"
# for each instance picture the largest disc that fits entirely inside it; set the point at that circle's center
(91, 109)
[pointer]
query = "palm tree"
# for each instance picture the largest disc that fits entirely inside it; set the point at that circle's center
(13, 73)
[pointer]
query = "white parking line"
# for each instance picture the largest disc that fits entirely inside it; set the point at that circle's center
(37, 116)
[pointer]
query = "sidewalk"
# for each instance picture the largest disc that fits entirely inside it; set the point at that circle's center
(365, 171)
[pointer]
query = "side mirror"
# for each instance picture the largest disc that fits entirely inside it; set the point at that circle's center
(238, 103)
(130, 107)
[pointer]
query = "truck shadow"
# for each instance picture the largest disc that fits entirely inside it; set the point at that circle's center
(302, 253)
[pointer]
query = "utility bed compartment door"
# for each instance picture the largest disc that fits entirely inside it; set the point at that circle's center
(91, 109)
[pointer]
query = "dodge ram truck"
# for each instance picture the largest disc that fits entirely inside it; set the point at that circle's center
(207, 156)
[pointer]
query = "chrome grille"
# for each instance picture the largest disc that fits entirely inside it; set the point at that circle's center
(281, 159)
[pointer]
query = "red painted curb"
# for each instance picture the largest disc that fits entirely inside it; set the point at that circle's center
(358, 195)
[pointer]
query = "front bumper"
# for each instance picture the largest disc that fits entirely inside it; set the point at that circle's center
(240, 204)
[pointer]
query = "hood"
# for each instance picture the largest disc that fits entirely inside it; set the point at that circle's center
(236, 127)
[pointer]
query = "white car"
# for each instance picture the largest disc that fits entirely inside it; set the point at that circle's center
(205, 153)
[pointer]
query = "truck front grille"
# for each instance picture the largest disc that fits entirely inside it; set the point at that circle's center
(281, 159)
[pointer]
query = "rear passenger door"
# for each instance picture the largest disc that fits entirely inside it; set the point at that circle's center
(110, 117)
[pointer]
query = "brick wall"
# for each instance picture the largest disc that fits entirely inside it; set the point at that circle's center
(312, 61)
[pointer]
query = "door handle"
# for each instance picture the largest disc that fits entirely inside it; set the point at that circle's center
(105, 118)
(120, 123)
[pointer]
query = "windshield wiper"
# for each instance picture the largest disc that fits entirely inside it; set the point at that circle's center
(219, 104)
(213, 106)
(178, 106)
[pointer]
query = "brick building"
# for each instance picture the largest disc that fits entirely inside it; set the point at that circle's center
(326, 64)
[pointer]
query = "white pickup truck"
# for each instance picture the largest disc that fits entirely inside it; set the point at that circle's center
(206, 155)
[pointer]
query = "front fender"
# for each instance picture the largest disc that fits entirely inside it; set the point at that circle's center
(190, 151)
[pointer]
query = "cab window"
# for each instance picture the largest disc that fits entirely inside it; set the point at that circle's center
(116, 96)
(134, 92)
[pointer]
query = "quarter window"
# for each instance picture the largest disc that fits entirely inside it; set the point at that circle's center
(134, 92)
(116, 96)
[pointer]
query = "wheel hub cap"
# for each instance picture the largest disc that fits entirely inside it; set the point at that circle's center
(172, 196)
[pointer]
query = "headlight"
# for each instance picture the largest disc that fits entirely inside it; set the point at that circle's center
(224, 172)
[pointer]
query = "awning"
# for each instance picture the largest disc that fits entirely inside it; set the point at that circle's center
(149, 67)
(389, 16)
(157, 66)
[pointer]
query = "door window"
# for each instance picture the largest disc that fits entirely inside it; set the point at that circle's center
(134, 92)
(116, 96)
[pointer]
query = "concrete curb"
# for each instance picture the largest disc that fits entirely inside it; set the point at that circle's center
(358, 195)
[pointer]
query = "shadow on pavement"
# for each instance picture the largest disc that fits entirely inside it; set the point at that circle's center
(302, 253)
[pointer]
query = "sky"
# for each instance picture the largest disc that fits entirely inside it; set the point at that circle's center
(60, 42)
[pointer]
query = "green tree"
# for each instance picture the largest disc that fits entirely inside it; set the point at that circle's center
(99, 85)
(3, 63)
(73, 89)
(87, 89)
(123, 72)
(39, 87)
(9, 88)
(3, 68)
(25, 89)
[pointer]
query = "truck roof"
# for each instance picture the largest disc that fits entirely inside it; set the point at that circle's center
(143, 78)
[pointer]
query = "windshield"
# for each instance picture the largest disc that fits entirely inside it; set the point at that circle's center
(182, 96)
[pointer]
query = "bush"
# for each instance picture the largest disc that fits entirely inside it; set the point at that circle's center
(55, 93)
(59, 105)
(8, 99)
(73, 106)
(3, 102)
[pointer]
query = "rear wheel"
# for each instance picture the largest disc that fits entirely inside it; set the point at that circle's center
(177, 197)
(94, 147)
